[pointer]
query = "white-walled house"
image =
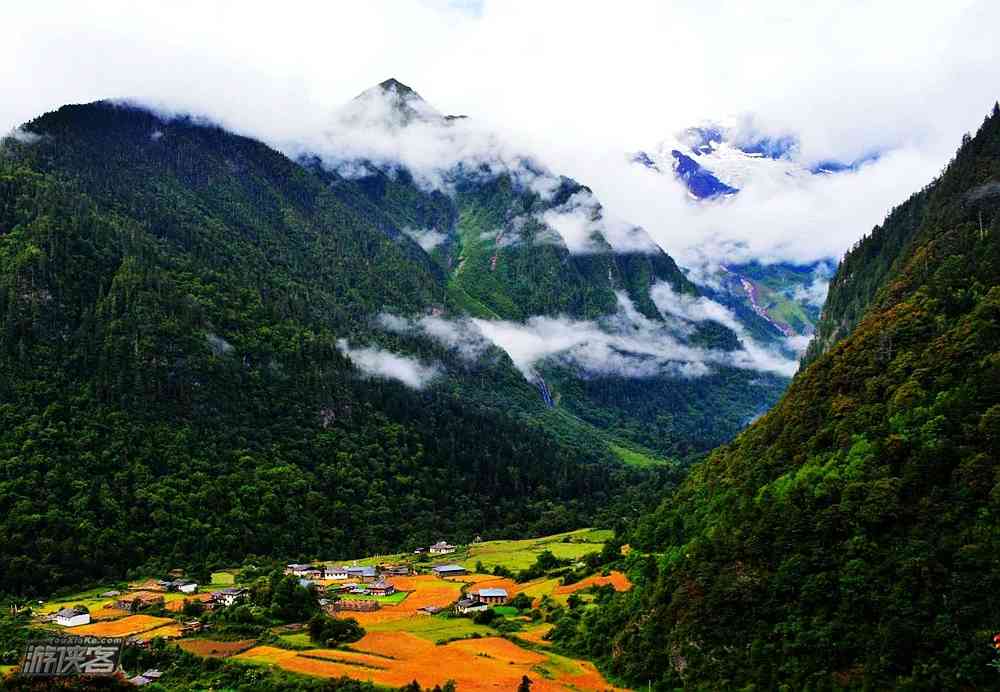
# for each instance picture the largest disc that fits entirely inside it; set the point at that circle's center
(229, 596)
(442, 548)
(71, 617)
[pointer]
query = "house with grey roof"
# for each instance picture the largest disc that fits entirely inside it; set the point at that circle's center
(468, 605)
(381, 588)
(71, 617)
(449, 570)
(365, 574)
(492, 596)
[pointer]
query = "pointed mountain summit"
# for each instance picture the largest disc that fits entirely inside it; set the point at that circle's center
(391, 103)
(393, 90)
(394, 85)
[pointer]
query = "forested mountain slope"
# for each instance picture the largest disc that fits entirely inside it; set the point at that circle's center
(866, 268)
(537, 259)
(849, 537)
(172, 388)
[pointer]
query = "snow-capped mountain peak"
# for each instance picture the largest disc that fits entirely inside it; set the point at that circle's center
(716, 160)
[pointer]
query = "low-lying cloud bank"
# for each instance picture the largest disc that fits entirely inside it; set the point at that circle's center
(625, 344)
(376, 362)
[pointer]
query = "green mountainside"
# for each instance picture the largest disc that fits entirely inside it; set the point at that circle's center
(849, 538)
(866, 268)
(664, 415)
(189, 321)
(171, 388)
(501, 259)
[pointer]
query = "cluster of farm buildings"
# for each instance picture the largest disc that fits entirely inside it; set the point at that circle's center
(372, 581)
(330, 581)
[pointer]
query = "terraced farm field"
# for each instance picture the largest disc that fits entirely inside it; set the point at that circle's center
(395, 659)
(125, 627)
(171, 631)
(176, 605)
(215, 649)
(536, 634)
(616, 579)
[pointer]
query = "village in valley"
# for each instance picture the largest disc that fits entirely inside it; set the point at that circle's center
(485, 608)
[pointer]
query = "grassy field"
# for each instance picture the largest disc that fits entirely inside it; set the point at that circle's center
(637, 459)
(517, 555)
(394, 599)
(91, 599)
(506, 611)
(436, 628)
(542, 587)
(298, 640)
(514, 554)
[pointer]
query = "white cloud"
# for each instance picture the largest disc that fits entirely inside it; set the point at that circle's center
(574, 225)
(782, 218)
(699, 309)
(426, 238)
(377, 362)
(625, 344)
(798, 343)
(461, 335)
(692, 308)
(394, 128)
(23, 136)
(581, 222)
(219, 346)
(815, 293)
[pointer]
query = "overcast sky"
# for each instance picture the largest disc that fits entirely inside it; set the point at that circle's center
(579, 82)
